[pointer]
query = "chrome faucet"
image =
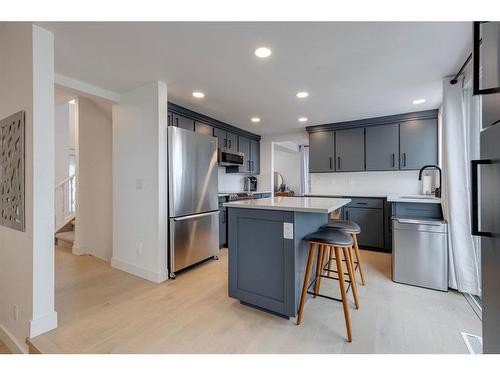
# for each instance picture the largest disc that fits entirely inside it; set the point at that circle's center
(437, 192)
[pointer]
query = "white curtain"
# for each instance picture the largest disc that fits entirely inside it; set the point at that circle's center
(304, 169)
(460, 140)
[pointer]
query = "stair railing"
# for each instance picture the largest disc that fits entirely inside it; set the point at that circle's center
(65, 200)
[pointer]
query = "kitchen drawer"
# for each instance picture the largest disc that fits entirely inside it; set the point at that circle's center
(366, 202)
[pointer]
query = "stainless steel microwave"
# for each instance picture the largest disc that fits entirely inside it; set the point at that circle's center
(229, 158)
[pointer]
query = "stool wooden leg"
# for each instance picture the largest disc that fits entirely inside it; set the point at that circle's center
(319, 269)
(343, 293)
(358, 257)
(330, 256)
(350, 271)
(307, 276)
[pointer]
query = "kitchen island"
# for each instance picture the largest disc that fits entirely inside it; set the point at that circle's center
(267, 253)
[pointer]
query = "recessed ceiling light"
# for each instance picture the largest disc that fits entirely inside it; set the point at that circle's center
(255, 119)
(302, 119)
(419, 101)
(198, 94)
(262, 52)
(302, 94)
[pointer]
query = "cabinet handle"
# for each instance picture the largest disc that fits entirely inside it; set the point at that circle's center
(331, 162)
(253, 165)
(177, 121)
(404, 159)
(225, 142)
(474, 193)
(338, 163)
(393, 160)
(362, 203)
(229, 143)
(347, 214)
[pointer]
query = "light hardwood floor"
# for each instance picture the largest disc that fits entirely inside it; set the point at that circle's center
(103, 310)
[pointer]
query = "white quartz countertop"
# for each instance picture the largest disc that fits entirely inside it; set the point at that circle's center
(226, 193)
(408, 198)
(296, 204)
(413, 198)
(368, 195)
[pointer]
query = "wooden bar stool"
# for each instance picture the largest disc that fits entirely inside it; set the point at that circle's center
(353, 229)
(326, 240)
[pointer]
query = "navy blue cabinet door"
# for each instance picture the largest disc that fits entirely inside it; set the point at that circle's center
(254, 156)
(244, 147)
(382, 147)
(418, 143)
(350, 150)
(371, 221)
(321, 152)
(202, 128)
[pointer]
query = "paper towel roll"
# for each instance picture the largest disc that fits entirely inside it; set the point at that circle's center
(427, 185)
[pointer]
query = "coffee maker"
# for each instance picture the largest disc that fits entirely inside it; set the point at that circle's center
(250, 183)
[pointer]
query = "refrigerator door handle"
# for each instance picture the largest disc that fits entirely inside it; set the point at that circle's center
(195, 216)
(474, 198)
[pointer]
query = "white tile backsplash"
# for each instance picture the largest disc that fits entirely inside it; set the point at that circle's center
(230, 181)
(397, 182)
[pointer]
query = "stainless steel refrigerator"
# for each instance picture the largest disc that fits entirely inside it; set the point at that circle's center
(486, 177)
(192, 199)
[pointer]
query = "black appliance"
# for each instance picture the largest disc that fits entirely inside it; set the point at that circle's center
(250, 183)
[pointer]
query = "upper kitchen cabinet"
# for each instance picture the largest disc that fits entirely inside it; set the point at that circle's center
(202, 128)
(244, 147)
(321, 151)
(232, 141)
(221, 137)
(182, 122)
(254, 156)
(350, 150)
(226, 139)
(382, 147)
(418, 143)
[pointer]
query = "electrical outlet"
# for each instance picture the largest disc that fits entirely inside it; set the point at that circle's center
(15, 312)
(139, 248)
(288, 231)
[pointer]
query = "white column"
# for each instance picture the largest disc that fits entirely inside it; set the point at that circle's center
(140, 182)
(27, 258)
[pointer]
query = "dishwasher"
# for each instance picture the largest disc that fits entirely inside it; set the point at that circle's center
(420, 252)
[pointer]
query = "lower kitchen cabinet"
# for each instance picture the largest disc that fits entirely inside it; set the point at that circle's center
(371, 221)
(222, 225)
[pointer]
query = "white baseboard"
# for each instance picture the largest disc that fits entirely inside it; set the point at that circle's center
(43, 324)
(11, 343)
(156, 277)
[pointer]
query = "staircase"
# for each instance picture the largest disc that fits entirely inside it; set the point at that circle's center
(65, 209)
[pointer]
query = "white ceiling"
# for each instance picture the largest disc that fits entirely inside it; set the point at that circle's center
(352, 70)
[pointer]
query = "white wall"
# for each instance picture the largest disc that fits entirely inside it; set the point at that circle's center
(139, 182)
(287, 163)
(94, 214)
(62, 128)
(27, 258)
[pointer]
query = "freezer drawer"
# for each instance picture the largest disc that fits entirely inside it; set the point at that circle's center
(420, 253)
(192, 239)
